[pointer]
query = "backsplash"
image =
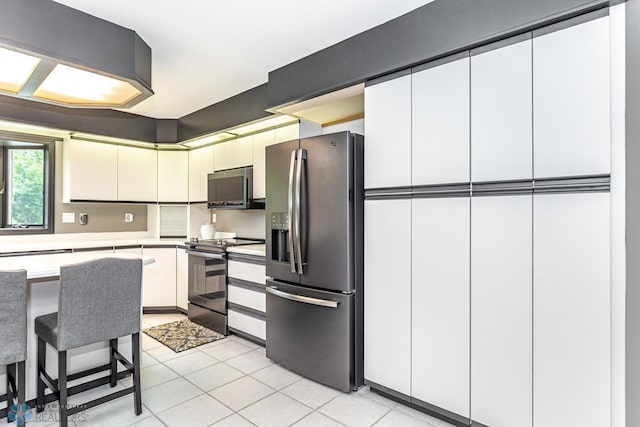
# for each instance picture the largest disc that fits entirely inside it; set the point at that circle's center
(245, 223)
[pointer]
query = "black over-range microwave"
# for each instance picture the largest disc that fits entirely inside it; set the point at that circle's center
(232, 189)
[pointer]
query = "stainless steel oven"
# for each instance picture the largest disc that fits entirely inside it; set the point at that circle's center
(208, 289)
(208, 280)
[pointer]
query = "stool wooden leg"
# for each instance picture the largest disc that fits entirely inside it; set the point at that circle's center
(42, 361)
(62, 387)
(113, 361)
(137, 392)
(21, 382)
(11, 385)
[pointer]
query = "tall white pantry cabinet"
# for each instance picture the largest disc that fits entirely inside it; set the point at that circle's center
(488, 230)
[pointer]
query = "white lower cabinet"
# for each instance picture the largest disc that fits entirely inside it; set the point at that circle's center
(571, 310)
(440, 303)
(387, 296)
(159, 278)
(252, 325)
(182, 279)
(501, 309)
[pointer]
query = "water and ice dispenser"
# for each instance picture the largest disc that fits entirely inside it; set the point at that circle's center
(279, 236)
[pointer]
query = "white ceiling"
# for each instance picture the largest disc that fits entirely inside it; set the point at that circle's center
(205, 51)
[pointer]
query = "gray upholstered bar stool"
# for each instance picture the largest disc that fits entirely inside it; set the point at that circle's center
(13, 334)
(99, 301)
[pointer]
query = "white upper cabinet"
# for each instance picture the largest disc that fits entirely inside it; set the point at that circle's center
(242, 149)
(387, 299)
(90, 171)
(137, 174)
(286, 133)
(200, 164)
(173, 176)
(260, 142)
(439, 301)
(440, 124)
(501, 114)
(223, 156)
(571, 99)
(387, 154)
(233, 154)
(501, 310)
(571, 310)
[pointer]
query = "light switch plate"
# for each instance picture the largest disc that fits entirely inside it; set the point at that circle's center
(68, 217)
(128, 217)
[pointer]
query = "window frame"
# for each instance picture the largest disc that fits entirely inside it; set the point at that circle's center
(12, 140)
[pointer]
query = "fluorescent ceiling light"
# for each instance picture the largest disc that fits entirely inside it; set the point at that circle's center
(75, 86)
(15, 70)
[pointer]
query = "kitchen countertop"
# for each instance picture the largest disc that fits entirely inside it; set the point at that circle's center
(48, 265)
(83, 244)
(258, 250)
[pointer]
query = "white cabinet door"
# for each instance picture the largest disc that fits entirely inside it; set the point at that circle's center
(173, 176)
(194, 175)
(200, 164)
(571, 101)
(137, 174)
(501, 309)
(571, 310)
(260, 142)
(440, 243)
(223, 156)
(90, 171)
(286, 133)
(387, 295)
(440, 124)
(387, 156)
(242, 151)
(159, 278)
(182, 278)
(501, 114)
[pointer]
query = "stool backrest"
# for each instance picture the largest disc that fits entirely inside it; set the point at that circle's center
(99, 300)
(13, 316)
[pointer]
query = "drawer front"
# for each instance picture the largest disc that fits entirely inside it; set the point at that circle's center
(247, 297)
(249, 324)
(250, 272)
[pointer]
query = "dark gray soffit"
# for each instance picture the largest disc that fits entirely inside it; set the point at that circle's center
(429, 32)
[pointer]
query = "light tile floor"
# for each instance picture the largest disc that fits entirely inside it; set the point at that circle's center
(231, 383)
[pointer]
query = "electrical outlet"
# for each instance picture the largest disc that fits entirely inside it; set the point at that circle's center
(84, 218)
(128, 217)
(68, 217)
(213, 217)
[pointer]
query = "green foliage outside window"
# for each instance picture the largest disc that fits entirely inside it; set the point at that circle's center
(27, 187)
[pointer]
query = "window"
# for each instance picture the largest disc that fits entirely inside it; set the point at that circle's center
(26, 185)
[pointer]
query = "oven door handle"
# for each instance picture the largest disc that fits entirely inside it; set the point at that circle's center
(299, 298)
(205, 254)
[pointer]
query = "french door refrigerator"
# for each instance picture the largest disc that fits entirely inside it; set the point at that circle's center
(314, 216)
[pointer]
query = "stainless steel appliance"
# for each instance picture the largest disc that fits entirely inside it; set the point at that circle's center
(314, 215)
(208, 281)
(232, 189)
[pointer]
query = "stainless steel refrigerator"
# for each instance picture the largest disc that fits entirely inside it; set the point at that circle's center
(314, 216)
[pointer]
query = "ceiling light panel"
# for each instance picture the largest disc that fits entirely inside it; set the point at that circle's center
(71, 85)
(15, 70)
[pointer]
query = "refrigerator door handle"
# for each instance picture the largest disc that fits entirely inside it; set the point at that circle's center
(302, 155)
(291, 239)
(299, 298)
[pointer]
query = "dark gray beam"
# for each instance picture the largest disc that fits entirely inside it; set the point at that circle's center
(429, 32)
(96, 121)
(245, 107)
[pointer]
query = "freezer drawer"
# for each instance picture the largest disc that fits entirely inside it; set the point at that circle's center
(311, 333)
